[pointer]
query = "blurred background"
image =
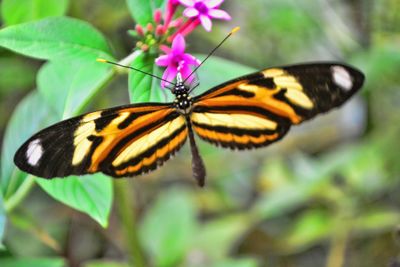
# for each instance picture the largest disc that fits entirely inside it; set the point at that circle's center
(326, 195)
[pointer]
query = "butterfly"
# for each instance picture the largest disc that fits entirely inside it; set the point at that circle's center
(247, 112)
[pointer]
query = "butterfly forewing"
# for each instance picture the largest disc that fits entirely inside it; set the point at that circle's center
(258, 109)
(142, 136)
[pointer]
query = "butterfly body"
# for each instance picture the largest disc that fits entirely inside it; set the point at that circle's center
(183, 101)
(248, 112)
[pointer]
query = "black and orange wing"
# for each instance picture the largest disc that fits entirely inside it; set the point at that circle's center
(121, 141)
(258, 109)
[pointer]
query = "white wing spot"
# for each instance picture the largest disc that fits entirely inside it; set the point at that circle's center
(34, 152)
(342, 77)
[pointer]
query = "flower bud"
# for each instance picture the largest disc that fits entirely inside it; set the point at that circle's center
(150, 27)
(160, 30)
(157, 16)
(139, 30)
(144, 47)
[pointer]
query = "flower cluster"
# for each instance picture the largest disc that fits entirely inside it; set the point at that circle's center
(156, 37)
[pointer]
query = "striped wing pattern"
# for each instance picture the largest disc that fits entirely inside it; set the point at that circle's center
(248, 112)
(258, 109)
(121, 141)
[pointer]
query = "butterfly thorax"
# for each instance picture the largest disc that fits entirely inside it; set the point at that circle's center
(183, 101)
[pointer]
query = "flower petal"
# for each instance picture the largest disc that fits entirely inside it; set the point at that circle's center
(169, 75)
(190, 12)
(191, 60)
(206, 22)
(187, 3)
(163, 60)
(213, 3)
(178, 45)
(218, 14)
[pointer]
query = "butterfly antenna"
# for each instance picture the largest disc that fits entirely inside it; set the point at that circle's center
(132, 68)
(233, 31)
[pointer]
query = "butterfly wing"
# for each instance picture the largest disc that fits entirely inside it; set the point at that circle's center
(121, 141)
(258, 109)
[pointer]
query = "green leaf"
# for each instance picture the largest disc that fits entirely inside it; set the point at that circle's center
(312, 226)
(142, 87)
(42, 262)
(142, 10)
(377, 220)
(56, 38)
(380, 64)
(217, 70)
(89, 194)
(215, 238)
(285, 190)
(2, 221)
(237, 263)
(14, 12)
(30, 114)
(68, 86)
(168, 227)
(97, 263)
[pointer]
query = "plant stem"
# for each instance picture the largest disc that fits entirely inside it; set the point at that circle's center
(338, 248)
(20, 194)
(130, 58)
(123, 196)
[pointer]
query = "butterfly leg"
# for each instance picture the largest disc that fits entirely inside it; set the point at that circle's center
(199, 171)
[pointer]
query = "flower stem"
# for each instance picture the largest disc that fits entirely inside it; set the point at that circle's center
(129, 59)
(123, 196)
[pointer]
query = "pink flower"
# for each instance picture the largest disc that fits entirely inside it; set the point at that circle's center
(176, 59)
(204, 10)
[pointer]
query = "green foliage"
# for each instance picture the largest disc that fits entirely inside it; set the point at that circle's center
(73, 47)
(380, 64)
(311, 227)
(105, 264)
(215, 238)
(42, 262)
(91, 194)
(56, 38)
(10, 67)
(2, 221)
(236, 263)
(142, 87)
(142, 10)
(68, 86)
(168, 242)
(13, 12)
(22, 125)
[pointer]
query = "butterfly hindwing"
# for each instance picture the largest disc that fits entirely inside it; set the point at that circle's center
(237, 125)
(103, 141)
(257, 109)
